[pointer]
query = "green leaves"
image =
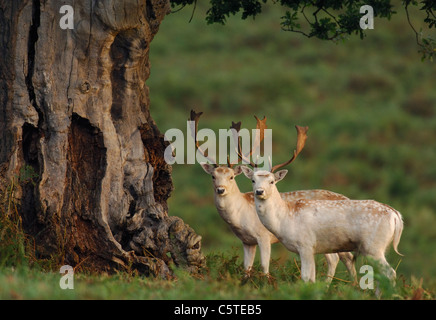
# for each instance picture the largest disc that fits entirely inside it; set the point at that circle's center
(322, 19)
(330, 19)
(290, 21)
(221, 9)
(427, 44)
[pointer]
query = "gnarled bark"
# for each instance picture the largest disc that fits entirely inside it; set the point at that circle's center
(75, 108)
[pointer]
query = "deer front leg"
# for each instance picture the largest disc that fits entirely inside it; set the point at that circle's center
(249, 253)
(265, 253)
(307, 265)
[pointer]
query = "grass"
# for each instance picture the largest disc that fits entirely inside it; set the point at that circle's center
(222, 279)
(370, 106)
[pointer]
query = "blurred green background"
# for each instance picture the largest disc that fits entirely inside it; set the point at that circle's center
(370, 105)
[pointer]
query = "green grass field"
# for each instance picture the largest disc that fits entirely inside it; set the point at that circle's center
(222, 279)
(371, 108)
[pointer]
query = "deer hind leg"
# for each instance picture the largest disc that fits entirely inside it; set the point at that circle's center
(348, 259)
(385, 267)
(332, 262)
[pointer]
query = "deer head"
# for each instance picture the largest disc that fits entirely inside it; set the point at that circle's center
(264, 181)
(224, 176)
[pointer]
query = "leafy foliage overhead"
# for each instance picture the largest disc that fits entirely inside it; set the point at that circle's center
(323, 19)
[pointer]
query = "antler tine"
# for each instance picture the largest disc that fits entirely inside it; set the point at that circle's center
(241, 155)
(236, 126)
(261, 126)
(301, 140)
(196, 117)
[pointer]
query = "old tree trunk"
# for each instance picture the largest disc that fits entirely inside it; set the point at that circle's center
(74, 109)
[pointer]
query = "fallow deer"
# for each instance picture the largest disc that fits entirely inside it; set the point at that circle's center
(309, 227)
(238, 210)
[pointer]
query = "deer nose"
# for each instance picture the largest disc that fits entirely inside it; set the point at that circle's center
(259, 192)
(220, 190)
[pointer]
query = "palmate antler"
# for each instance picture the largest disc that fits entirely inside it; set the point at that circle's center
(301, 140)
(260, 134)
(261, 126)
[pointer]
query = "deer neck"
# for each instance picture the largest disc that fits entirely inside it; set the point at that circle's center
(229, 205)
(271, 210)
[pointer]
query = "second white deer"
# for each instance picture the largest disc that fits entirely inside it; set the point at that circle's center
(309, 227)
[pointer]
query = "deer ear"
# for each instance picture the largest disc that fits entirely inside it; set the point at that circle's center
(279, 175)
(208, 168)
(247, 171)
(237, 170)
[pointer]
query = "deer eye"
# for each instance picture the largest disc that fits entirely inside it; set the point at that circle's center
(213, 178)
(252, 181)
(272, 182)
(231, 178)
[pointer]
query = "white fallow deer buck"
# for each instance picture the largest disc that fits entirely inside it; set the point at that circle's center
(238, 210)
(309, 227)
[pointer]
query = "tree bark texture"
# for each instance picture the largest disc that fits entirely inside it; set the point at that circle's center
(75, 108)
